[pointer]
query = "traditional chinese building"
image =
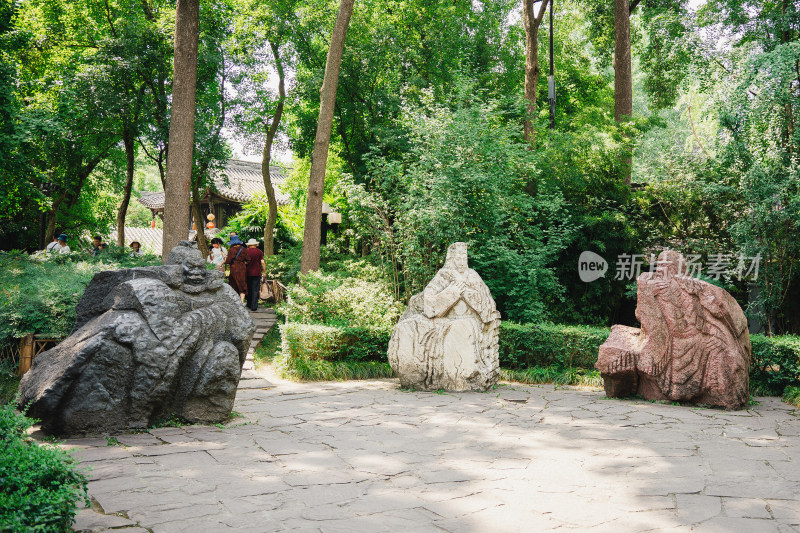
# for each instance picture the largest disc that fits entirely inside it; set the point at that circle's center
(238, 183)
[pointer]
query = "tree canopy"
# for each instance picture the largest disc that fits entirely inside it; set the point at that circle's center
(431, 133)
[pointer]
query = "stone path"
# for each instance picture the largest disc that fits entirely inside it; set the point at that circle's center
(366, 456)
(265, 319)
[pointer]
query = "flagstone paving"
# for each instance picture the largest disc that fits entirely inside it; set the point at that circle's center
(367, 456)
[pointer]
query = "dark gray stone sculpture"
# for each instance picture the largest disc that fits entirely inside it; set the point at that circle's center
(148, 343)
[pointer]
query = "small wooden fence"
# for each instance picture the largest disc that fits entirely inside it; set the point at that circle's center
(272, 289)
(22, 353)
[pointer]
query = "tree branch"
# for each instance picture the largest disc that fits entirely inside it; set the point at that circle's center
(633, 6)
(542, 11)
(110, 22)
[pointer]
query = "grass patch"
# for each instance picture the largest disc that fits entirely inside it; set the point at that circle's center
(303, 369)
(172, 421)
(553, 374)
(791, 395)
(268, 348)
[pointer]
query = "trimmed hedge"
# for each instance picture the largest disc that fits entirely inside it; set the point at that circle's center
(39, 486)
(543, 345)
(330, 343)
(776, 364)
(776, 360)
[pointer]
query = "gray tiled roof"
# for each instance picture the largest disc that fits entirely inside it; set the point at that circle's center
(151, 238)
(244, 182)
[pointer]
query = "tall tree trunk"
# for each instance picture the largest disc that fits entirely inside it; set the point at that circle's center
(319, 157)
(181, 130)
(266, 156)
(128, 139)
(531, 22)
(623, 78)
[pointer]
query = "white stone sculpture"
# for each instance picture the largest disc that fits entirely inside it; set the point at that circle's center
(447, 338)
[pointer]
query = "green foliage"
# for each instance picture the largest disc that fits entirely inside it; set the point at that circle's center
(761, 154)
(545, 345)
(9, 382)
(249, 223)
(342, 302)
(553, 374)
(303, 369)
(792, 396)
(776, 364)
(469, 176)
(172, 421)
(338, 324)
(39, 292)
(396, 51)
(41, 486)
(330, 343)
(285, 265)
(584, 165)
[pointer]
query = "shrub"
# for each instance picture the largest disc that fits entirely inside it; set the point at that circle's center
(792, 396)
(284, 265)
(329, 343)
(9, 382)
(344, 302)
(40, 486)
(776, 364)
(543, 345)
(38, 293)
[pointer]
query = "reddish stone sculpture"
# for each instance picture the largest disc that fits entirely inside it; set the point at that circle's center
(693, 345)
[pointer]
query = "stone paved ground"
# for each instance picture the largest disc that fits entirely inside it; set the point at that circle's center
(366, 456)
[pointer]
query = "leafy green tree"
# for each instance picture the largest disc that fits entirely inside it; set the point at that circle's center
(261, 45)
(15, 178)
(467, 178)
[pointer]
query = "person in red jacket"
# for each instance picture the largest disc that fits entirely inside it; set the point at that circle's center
(237, 259)
(255, 265)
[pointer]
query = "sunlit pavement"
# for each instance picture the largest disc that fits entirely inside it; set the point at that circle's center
(367, 456)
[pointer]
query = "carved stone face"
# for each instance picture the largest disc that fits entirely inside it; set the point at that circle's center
(670, 264)
(457, 257)
(194, 271)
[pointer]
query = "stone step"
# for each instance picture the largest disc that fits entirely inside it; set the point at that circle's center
(248, 365)
(255, 383)
(249, 374)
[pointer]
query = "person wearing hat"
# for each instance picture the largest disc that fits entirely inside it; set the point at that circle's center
(255, 265)
(237, 259)
(137, 249)
(53, 246)
(62, 244)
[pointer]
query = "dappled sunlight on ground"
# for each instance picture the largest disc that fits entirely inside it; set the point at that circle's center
(367, 456)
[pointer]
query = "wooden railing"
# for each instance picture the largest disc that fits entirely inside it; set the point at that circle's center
(32, 345)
